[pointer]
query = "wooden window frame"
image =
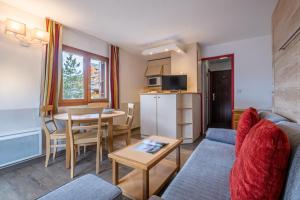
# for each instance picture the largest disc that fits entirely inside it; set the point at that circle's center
(87, 56)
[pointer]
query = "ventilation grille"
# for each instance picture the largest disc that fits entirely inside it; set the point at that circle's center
(20, 146)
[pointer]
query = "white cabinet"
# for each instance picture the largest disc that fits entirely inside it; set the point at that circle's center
(167, 115)
(171, 115)
(148, 114)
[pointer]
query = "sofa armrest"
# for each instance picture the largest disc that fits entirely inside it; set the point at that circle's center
(155, 198)
(221, 135)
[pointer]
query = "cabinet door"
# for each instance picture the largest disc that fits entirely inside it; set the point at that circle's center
(167, 115)
(148, 114)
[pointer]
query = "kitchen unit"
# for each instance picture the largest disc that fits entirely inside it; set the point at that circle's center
(172, 115)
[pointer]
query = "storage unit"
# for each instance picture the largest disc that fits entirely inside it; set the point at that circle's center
(236, 117)
(172, 115)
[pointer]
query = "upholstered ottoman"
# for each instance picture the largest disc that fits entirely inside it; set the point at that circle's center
(87, 187)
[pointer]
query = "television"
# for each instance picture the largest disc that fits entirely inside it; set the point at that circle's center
(174, 82)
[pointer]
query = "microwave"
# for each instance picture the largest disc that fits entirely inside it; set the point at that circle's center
(154, 81)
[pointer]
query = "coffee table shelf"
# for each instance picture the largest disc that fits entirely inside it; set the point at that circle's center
(151, 171)
(159, 175)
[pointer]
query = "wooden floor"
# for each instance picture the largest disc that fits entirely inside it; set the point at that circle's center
(31, 180)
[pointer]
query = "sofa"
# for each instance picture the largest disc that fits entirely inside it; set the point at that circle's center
(87, 187)
(205, 175)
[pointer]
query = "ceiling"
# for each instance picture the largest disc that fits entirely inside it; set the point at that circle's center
(139, 24)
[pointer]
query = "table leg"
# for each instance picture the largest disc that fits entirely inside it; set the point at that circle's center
(110, 135)
(145, 184)
(178, 158)
(115, 172)
(68, 152)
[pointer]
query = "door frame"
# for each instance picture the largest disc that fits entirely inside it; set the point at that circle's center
(231, 57)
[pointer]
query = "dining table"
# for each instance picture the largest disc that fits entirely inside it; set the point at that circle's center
(105, 118)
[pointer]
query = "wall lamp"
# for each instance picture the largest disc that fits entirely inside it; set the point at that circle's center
(19, 31)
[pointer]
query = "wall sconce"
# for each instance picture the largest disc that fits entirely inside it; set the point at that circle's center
(18, 30)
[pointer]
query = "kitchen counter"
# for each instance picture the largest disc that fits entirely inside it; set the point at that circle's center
(163, 93)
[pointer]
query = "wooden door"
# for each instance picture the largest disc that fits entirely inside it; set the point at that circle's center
(220, 99)
(148, 114)
(167, 115)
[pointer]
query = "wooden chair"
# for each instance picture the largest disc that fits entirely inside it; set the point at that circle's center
(98, 104)
(53, 134)
(125, 129)
(90, 133)
(104, 125)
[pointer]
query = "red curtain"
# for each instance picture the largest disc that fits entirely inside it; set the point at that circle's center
(114, 77)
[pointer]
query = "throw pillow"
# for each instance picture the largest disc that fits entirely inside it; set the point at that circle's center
(259, 171)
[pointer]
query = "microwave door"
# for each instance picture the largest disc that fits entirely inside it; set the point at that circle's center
(152, 81)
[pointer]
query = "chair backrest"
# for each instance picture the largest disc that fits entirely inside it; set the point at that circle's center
(98, 105)
(88, 125)
(47, 120)
(130, 114)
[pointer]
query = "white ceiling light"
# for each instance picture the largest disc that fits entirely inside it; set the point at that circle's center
(162, 49)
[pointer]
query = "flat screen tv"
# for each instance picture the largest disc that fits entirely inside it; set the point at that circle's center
(174, 82)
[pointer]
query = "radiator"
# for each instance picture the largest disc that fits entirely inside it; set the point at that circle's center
(19, 146)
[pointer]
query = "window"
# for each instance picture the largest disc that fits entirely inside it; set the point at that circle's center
(84, 77)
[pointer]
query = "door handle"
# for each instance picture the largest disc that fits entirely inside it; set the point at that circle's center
(213, 96)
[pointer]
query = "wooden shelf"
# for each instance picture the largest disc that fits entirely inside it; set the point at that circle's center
(159, 175)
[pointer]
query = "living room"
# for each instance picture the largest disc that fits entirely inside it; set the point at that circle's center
(149, 100)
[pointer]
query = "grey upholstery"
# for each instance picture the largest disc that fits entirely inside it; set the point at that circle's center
(273, 117)
(292, 188)
(205, 175)
(88, 187)
(221, 135)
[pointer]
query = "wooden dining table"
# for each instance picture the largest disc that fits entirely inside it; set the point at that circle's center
(105, 117)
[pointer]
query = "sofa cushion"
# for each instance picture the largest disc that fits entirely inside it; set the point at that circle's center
(259, 170)
(273, 117)
(292, 186)
(221, 135)
(247, 120)
(87, 187)
(205, 174)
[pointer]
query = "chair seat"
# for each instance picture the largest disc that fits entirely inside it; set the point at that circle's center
(120, 127)
(87, 137)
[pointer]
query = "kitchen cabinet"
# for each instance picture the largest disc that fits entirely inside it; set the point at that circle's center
(172, 115)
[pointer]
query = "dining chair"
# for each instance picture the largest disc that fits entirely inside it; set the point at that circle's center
(104, 125)
(52, 133)
(125, 129)
(89, 133)
(98, 104)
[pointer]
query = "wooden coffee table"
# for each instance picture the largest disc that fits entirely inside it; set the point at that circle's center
(151, 171)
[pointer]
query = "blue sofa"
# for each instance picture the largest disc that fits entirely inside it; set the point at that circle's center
(206, 173)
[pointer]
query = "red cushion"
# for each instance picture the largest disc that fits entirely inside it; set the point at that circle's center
(259, 171)
(247, 120)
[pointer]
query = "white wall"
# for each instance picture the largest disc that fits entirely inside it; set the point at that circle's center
(186, 63)
(83, 41)
(252, 70)
(132, 69)
(20, 67)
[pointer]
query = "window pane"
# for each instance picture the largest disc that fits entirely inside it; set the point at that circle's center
(98, 79)
(73, 81)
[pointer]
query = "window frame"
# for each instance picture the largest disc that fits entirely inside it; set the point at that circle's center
(87, 56)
